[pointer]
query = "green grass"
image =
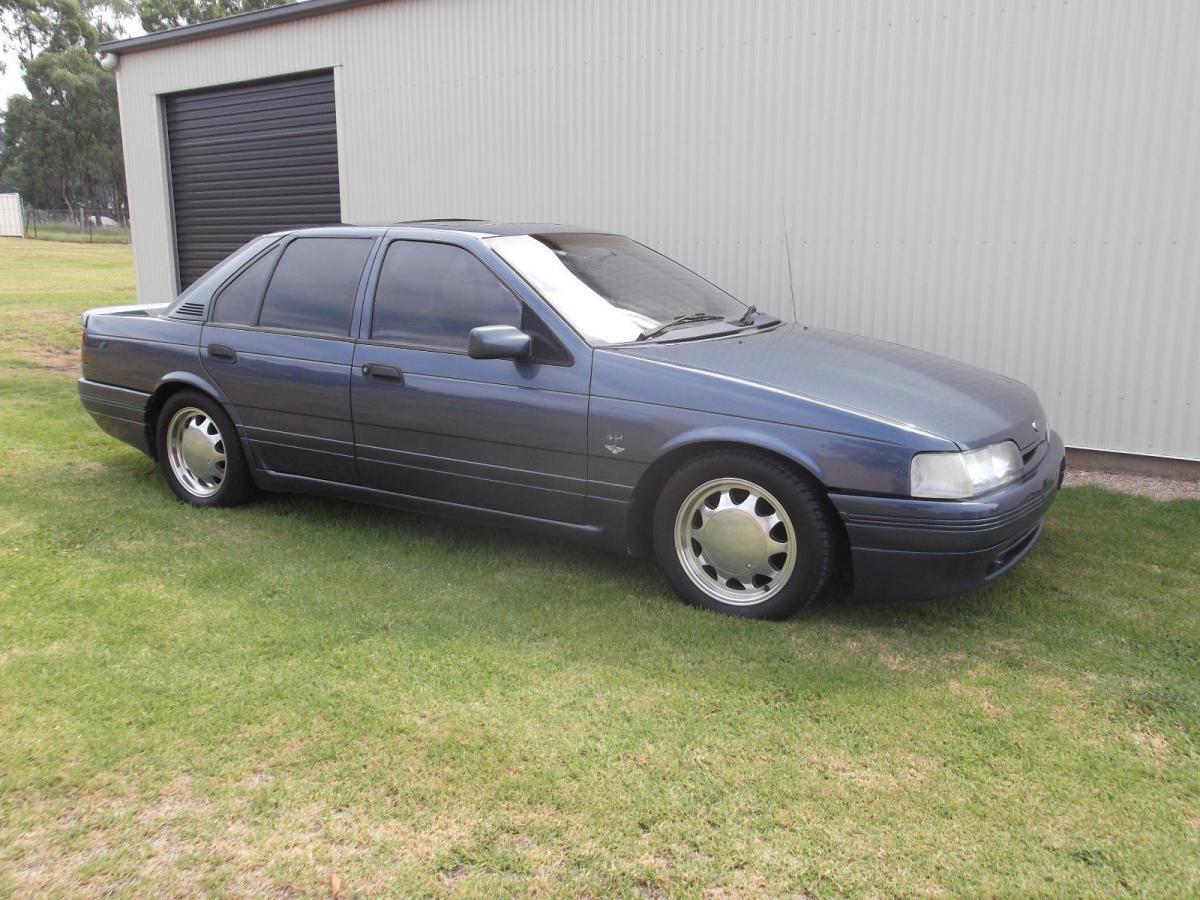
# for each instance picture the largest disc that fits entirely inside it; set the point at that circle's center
(262, 700)
(72, 234)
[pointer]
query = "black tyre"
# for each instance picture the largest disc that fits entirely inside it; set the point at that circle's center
(199, 452)
(744, 534)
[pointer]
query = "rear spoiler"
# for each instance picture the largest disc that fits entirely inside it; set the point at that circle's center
(133, 308)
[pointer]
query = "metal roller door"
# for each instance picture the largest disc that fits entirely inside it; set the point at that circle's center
(247, 159)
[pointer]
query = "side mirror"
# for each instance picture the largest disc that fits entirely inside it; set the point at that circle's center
(499, 342)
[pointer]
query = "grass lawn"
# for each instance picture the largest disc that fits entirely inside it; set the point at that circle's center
(98, 235)
(305, 693)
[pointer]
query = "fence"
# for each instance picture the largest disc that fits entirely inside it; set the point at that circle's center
(87, 224)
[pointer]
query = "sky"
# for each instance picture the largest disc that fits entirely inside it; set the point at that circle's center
(10, 81)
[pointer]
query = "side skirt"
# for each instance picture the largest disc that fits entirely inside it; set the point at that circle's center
(592, 535)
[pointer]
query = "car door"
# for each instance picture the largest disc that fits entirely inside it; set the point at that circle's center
(279, 345)
(431, 422)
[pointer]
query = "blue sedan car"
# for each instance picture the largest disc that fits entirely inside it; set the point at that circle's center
(579, 384)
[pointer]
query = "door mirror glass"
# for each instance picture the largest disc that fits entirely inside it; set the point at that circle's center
(499, 342)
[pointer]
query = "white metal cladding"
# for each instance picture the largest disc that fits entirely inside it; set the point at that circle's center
(12, 221)
(1017, 185)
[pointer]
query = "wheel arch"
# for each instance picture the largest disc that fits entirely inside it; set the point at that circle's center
(171, 384)
(676, 453)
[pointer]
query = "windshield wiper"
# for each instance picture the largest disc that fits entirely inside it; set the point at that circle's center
(687, 319)
(747, 317)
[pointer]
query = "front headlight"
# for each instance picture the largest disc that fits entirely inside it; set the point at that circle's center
(956, 476)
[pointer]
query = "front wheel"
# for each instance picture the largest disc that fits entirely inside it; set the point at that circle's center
(744, 534)
(200, 454)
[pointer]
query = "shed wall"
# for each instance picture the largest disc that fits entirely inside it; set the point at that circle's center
(1010, 184)
(12, 219)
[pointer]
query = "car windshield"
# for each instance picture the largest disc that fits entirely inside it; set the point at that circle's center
(611, 289)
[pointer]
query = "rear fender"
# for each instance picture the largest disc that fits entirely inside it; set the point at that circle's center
(174, 381)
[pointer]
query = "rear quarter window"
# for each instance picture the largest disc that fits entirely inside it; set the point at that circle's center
(314, 285)
(238, 301)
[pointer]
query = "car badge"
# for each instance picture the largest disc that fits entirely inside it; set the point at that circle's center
(1035, 425)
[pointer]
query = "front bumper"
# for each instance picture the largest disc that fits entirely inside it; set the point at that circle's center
(906, 549)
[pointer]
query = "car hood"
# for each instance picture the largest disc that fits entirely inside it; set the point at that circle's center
(953, 400)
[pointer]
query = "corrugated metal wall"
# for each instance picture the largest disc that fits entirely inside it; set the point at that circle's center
(248, 160)
(12, 219)
(1017, 185)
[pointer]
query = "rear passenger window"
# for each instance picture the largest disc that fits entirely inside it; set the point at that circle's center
(314, 285)
(238, 302)
(432, 295)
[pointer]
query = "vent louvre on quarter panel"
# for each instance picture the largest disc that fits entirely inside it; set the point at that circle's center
(190, 310)
(248, 159)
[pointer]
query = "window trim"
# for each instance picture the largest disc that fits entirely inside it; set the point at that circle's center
(564, 357)
(267, 329)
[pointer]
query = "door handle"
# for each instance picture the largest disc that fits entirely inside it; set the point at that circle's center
(222, 351)
(380, 370)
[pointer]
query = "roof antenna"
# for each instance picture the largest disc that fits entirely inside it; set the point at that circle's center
(787, 248)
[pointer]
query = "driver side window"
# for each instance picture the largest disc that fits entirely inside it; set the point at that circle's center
(431, 295)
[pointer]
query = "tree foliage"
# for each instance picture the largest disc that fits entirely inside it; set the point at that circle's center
(30, 27)
(63, 141)
(157, 15)
(61, 145)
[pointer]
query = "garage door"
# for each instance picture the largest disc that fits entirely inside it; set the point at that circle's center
(247, 159)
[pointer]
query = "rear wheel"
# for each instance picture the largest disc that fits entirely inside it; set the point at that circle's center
(744, 534)
(200, 454)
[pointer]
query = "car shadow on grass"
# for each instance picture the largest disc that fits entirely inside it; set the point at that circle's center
(641, 580)
(354, 572)
(458, 535)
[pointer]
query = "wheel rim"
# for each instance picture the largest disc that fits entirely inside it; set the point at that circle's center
(196, 451)
(735, 541)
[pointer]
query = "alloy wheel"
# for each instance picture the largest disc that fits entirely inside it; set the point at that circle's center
(196, 451)
(735, 541)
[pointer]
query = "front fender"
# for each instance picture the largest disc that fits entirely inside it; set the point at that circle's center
(626, 438)
(745, 437)
(656, 468)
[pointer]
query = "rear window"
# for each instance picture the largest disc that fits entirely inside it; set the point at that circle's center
(314, 285)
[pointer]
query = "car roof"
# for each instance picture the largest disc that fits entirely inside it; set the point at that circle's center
(476, 227)
(490, 228)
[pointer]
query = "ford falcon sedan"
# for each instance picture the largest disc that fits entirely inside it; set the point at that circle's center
(579, 384)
